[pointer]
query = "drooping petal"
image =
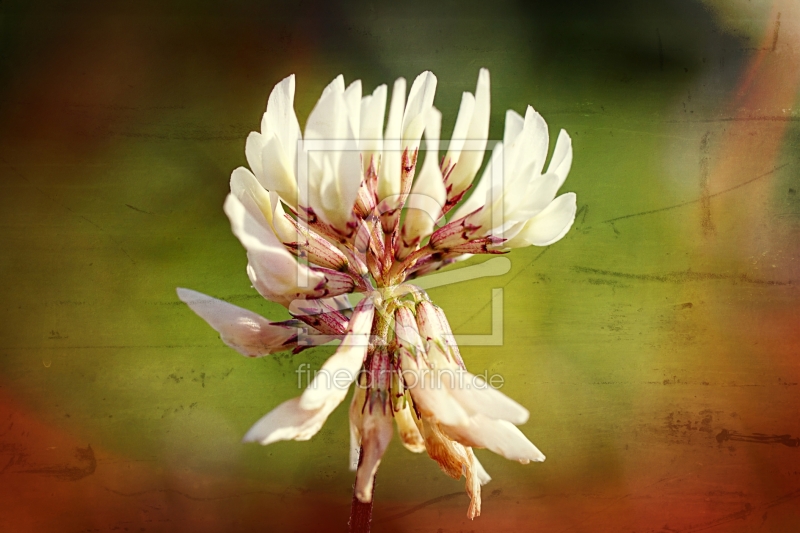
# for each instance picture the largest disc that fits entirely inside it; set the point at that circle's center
(341, 369)
(483, 475)
(431, 398)
(289, 421)
(478, 397)
(356, 417)
(407, 428)
(246, 332)
(376, 432)
(475, 475)
(451, 456)
(500, 436)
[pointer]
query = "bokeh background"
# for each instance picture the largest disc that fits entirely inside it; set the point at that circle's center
(656, 345)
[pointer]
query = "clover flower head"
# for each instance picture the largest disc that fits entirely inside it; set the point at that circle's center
(351, 207)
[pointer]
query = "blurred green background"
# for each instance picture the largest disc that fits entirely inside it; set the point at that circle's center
(656, 345)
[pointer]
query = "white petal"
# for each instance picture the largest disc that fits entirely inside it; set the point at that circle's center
(376, 433)
(341, 369)
(244, 331)
(499, 436)
(513, 126)
(420, 100)
(460, 129)
(432, 399)
(428, 193)
(524, 203)
(373, 107)
(336, 86)
(389, 176)
(289, 421)
(530, 146)
(550, 225)
(284, 230)
(276, 173)
(244, 184)
(252, 151)
(352, 96)
(471, 156)
(561, 161)
(337, 160)
(281, 120)
(480, 195)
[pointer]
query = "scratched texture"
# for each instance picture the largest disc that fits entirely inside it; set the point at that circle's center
(656, 345)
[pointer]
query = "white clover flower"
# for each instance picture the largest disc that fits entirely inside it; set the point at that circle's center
(346, 208)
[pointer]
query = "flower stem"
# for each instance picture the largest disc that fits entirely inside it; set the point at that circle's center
(361, 513)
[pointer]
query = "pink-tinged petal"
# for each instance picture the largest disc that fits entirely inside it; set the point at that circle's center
(244, 331)
(341, 369)
(376, 433)
(477, 396)
(550, 225)
(473, 149)
(561, 161)
(500, 436)
(289, 421)
(316, 249)
(407, 334)
(281, 120)
(428, 195)
(275, 272)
